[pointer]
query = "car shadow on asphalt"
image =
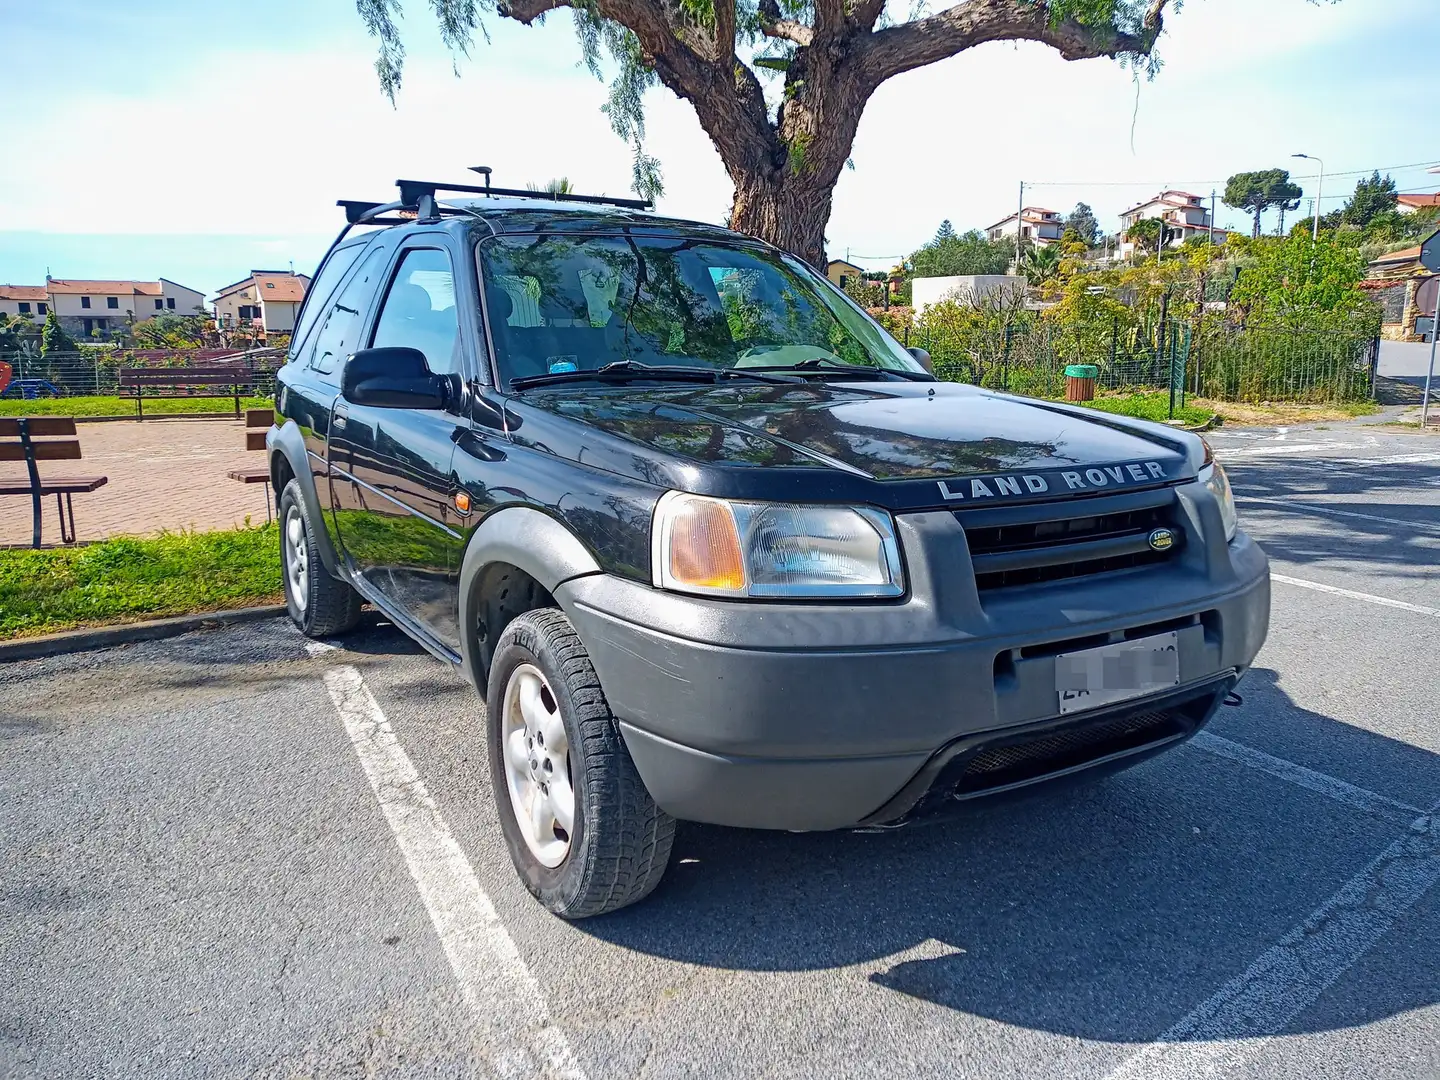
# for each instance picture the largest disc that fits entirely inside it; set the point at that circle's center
(1105, 911)
(1402, 539)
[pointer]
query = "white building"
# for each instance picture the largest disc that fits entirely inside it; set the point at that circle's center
(25, 301)
(1184, 215)
(966, 289)
(88, 308)
(269, 299)
(1040, 226)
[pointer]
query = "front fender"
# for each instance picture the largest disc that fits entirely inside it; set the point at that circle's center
(528, 540)
(287, 444)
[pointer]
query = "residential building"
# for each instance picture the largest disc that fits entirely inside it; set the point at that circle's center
(26, 301)
(267, 299)
(842, 273)
(1183, 214)
(1408, 204)
(1040, 226)
(1396, 282)
(88, 308)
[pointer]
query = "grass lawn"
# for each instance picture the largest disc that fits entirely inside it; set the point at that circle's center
(117, 406)
(132, 578)
(1151, 406)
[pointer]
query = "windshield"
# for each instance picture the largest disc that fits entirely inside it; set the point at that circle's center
(577, 303)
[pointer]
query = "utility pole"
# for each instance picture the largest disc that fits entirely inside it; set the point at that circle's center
(1319, 193)
(1212, 217)
(1019, 225)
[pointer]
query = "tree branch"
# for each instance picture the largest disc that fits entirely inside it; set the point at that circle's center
(866, 12)
(773, 25)
(829, 18)
(903, 48)
(724, 31)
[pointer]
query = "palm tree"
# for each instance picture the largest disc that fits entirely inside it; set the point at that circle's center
(559, 186)
(1040, 264)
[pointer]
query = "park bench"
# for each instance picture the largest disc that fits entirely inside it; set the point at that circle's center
(33, 439)
(257, 422)
(219, 381)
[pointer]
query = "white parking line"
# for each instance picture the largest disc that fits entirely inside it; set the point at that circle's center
(1358, 797)
(1383, 601)
(1253, 1007)
(492, 975)
(1312, 508)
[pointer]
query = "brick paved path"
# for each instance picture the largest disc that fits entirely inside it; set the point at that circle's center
(164, 474)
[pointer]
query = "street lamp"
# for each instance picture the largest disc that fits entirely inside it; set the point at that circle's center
(1319, 192)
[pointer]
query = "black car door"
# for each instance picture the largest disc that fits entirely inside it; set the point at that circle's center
(391, 472)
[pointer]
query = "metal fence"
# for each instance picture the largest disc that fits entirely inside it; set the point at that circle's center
(97, 371)
(1209, 359)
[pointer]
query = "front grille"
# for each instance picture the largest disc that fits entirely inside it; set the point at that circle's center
(1018, 762)
(1027, 545)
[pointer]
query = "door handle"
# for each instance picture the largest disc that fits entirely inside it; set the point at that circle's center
(339, 415)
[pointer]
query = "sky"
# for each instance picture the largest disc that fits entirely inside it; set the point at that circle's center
(198, 141)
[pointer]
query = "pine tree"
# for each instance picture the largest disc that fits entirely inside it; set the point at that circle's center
(945, 232)
(54, 339)
(1082, 220)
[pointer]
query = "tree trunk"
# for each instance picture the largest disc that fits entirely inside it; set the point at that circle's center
(1255, 233)
(786, 210)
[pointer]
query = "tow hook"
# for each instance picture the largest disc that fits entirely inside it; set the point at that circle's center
(1234, 700)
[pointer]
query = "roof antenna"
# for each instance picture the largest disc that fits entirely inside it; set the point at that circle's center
(483, 170)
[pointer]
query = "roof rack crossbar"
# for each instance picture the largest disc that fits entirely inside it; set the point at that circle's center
(412, 190)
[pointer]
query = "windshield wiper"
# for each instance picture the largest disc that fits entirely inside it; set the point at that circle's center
(620, 371)
(823, 365)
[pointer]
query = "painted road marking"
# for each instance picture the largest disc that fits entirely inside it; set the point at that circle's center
(1312, 508)
(1337, 789)
(1247, 1012)
(492, 975)
(1383, 601)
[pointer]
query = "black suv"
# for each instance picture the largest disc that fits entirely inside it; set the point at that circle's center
(713, 546)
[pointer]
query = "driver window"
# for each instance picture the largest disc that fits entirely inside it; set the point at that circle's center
(419, 311)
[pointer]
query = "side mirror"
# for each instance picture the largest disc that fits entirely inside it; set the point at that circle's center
(393, 378)
(923, 356)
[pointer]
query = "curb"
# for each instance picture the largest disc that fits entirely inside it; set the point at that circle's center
(104, 637)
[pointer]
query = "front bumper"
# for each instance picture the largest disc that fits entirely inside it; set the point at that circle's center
(806, 716)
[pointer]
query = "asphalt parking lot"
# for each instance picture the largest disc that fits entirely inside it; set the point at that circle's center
(231, 854)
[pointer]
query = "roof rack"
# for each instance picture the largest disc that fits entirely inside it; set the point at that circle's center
(412, 191)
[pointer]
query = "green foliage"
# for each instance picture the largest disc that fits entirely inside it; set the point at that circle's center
(1297, 282)
(968, 253)
(1256, 192)
(103, 405)
(1373, 196)
(1145, 234)
(1082, 220)
(559, 186)
(16, 333)
(170, 332)
(1041, 264)
(946, 231)
(54, 338)
(1150, 406)
(128, 578)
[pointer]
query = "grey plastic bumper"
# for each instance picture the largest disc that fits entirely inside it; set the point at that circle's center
(805, 716)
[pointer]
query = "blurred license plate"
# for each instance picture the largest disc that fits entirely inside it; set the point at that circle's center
(1095, 677)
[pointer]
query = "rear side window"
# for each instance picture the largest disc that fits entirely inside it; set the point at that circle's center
(419, 310)
(339, 334)
(331, 274)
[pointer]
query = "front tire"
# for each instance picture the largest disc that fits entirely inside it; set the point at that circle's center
(583, 832)
(319, 604)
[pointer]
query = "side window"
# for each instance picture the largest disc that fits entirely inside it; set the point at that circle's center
(419, 311)
(331, 274)
(339, 334)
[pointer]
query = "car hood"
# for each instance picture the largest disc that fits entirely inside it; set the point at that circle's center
(882, 431)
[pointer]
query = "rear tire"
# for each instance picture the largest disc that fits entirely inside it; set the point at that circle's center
(320, 605)
(560, 759)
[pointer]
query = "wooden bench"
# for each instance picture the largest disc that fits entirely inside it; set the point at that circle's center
(257, 423)
(32, 439)
(184, 382)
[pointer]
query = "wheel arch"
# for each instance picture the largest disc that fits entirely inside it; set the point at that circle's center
(514, 561)
(289, 460)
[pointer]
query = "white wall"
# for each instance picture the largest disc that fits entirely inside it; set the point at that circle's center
(68, 305)
(280, 315)
(187, 301)
(12, 308)
(227, 308)
(927, 291)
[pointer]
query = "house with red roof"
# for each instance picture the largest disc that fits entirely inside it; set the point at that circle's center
(267, 300)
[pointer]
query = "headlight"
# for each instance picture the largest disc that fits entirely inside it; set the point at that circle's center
(1214, 478)
(716, 547)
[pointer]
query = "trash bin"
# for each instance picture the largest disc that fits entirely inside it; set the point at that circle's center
(1080, 382)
